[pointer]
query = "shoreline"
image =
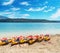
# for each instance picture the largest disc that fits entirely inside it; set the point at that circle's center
(24, 34)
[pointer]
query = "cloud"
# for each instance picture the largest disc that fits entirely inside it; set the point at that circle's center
(14, 14)
(8, 3)
(56, 14)
(11, 16)
(24, 15)
(25, 3)
(51, 9)
(46, 2)
(18, 16)
(37, 9)
(5, 13)
(15, 9)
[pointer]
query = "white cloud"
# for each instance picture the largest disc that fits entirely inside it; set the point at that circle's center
(8, 3)
(5, 13)
(18, 16)
(24, 15)
(25, 3)
(14, 14)
(15, 9)
(37, 9)
(46, 2)
(11, 16)
(51, 9)
(56, 14)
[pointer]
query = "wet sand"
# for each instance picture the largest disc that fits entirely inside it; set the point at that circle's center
(52, 46)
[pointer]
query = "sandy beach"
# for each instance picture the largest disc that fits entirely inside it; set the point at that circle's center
(52, 46)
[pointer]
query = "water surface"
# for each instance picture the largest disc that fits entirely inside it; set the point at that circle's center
(52, 28)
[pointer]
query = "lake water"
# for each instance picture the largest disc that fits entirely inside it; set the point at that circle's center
(30, 28)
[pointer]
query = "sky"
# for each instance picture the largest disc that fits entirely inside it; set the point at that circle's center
(30, 9)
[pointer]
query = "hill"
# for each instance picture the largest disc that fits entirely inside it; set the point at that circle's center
(3, 17)
(6, 19)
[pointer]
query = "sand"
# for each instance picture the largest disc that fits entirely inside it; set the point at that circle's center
(52, 46)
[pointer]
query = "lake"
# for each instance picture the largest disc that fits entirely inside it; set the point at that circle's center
(29, 28)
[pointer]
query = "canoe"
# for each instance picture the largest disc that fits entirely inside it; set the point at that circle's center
(46, 37)
(31, 39)
(13, 41)
(9, 40)
(21, 39)
(3, 43)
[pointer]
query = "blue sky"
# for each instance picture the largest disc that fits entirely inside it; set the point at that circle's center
(31, 9)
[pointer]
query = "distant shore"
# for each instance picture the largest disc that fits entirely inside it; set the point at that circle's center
(29, 20)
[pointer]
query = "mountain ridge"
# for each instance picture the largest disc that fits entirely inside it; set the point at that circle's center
(6, 19)
(3, 17)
